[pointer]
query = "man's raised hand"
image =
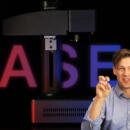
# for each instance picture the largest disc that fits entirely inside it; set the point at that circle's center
(103, 88)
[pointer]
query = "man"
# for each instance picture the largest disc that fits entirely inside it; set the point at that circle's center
(110, 109)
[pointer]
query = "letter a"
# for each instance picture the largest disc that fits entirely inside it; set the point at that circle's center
(17, 51)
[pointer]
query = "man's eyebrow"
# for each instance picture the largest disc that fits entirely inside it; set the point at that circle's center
(121, 66)
(124, 66)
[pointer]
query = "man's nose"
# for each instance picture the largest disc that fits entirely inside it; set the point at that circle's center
(126, 72)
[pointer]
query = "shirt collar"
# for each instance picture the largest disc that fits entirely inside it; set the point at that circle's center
(119, 92)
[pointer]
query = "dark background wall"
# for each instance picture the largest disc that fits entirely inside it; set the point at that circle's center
(112, 23)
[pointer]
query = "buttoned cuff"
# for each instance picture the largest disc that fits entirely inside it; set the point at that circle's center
(96, 122)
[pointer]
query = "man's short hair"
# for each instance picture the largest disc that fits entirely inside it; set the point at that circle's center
(120, 54)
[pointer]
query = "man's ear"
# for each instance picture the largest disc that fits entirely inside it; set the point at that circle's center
(114, 70)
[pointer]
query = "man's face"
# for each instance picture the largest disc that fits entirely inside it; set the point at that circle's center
(122, 72)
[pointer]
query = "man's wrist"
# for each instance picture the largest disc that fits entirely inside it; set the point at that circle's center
(101, 99)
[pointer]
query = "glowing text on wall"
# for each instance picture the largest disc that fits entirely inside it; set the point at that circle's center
(72, 70)
(17, 51)
(73, 74)
(95, 64)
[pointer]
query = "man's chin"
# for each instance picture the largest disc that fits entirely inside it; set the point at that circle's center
(124, 86)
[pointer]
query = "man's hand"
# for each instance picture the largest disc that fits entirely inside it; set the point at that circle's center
(103, 88)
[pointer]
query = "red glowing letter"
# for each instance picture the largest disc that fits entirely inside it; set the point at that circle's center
(17, 51)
